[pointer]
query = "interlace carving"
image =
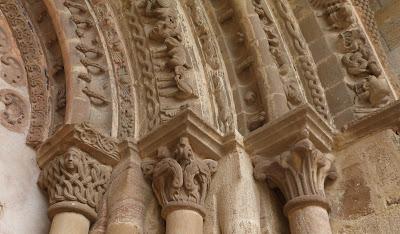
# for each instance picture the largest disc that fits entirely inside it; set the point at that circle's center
(180, 179)
(74, 176)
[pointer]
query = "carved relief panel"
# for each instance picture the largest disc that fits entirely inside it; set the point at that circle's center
(171, 77)
(26, 40)
(14, 108)
(365, 74)
(240, 65)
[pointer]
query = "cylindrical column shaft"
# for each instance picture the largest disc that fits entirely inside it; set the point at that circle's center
(309, 220)
(69, 222)
(183, 222)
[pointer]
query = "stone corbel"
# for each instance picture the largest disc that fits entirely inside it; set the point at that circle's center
(76, 164)
(180, 158)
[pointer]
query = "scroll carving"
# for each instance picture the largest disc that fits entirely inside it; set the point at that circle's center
(89, 136)
(298, 173)
(13, 110)
(180, 179)
(32, 57)
(120, 64)
(75, 177)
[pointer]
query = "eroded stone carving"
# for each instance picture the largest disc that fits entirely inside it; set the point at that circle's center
(304, 61)
(166, 31)
(298, 173)
(366, 76)
(31, 54)
(291, 87)
(145, 64)
(74, 177)
(180, 179)
(13, 110)
(120, 62)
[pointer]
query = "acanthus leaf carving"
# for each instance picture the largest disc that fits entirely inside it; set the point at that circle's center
(180, 179)
(299, 172)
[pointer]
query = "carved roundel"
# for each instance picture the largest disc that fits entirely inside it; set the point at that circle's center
(11, 70)
(13, 110)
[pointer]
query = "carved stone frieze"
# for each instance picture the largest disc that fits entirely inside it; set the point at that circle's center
(74, 182)
(101, 147)
(304, 60)
(285, 66)
(180, 179)
(121, 68)
(214, 62)
(366, 75)
(139, 44)
(90, 62)
(299, 173)
(13, 110)
(31, 54)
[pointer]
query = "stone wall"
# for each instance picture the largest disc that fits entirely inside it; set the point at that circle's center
(366, 197)
(388, 22)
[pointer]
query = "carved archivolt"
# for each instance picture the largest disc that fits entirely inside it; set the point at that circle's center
(304, 60)
(75, 177)
(180, 179)
(126, 95)
(214, 64)
(366, 76)
(32, 56)
(13, 110)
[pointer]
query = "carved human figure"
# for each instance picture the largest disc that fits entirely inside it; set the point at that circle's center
(74, 177)
(372, 91)
(340, 15)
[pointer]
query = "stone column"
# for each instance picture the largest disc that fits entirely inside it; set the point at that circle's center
(300, 175)
(180, 182)
(76, 166)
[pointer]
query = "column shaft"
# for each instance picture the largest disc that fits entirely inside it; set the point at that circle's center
(68, 223)
(309, 220)
(183, 222)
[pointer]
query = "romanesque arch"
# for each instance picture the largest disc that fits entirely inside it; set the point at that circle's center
(153, 116)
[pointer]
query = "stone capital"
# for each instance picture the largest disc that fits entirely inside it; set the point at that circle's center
(180, 179)
(76, 164)
(299, 173)
(74, 182)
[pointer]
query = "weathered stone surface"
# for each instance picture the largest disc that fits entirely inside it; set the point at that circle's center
(173, 116)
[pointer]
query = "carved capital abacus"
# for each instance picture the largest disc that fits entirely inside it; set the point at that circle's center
(180, 180)
(299, 173)
(76, 167)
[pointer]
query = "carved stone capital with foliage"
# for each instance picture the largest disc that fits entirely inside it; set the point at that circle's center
(180, 180)
(74, 182)
(299, 173)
